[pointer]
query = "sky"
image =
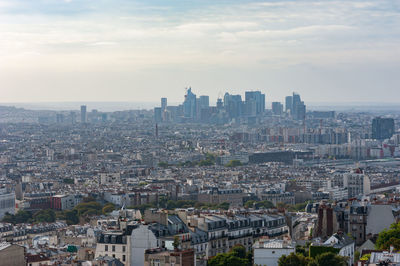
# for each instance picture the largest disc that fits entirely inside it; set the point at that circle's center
(139, 51)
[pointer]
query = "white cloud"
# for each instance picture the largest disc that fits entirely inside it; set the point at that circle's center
(276, 35)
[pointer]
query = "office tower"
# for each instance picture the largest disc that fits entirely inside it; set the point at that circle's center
(83, 114)
(301, 111)
(157, 114)
(163, 104)
(382, 128)
(277, 108)
(220, 104)
(296, 101)
(104, 117)
(254, 98)
(189, 105)
(72, 117)
(288, 104)
(60, 118)
(204, 102)
(233, 105)
(295, 107)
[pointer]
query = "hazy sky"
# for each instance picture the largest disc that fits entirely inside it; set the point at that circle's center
(124, 50)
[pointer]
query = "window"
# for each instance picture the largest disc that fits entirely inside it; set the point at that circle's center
(106, 248)
(113, 255)
(113, 248)
(123, 248)
(123, 257)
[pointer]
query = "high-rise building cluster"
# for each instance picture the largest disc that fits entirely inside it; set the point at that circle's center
(229, 108)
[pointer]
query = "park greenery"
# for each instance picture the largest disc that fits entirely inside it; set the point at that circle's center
(323, 259)
(82, 212)
(209, 160)
(236, 257)
(172, 204)
(258, 204)
(233, 163)
(267, 205)
(389, 237)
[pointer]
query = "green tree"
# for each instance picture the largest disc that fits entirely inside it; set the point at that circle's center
(71, 217)
(329, 258)
(388, 238)
(294, 260)
(249, 203)
(68, 180)
(163, 164)
(176, 242)
(109, 207)
(224, 206)
(239, 251)
(21, 216)
(236, 257)
(48, 216)
(301, 250)
(233, 163)
(356, 256)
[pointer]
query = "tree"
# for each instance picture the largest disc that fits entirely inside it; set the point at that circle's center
(71, 217)
(163, 164)
(176, 242)
(224, 206)
(21, 216)
(48, 216)
(249, 203)
(233, 163)
(109, 207)
(301, 250)
(329, 258)
(388, 238)
(356, 256)
(68, 180)
(239, 251)
(236, 257)
(293, 260)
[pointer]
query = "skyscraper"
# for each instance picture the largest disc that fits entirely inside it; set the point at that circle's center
(157, 114)
(163, 104)
(277, 108)
(189, 105)
(382, 128)
(233, 105)
(204, 101)
(296, 101)
(254, 98)
(83, 114)
(288, 104)
(296, 107)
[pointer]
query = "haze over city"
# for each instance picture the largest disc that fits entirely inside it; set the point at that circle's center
(199, 133)
(62, 51)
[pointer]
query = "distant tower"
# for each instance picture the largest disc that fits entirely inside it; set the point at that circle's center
(72, 117)
(83, 114)
(288, 104)
(382, 128)
(163, 104)
(156, 130)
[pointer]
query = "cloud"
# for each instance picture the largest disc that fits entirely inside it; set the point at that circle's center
(105, 35)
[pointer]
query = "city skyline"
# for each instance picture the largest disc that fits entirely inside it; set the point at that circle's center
(113, 51)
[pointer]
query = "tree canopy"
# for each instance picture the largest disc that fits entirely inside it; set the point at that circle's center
(324, 259)
(236, 257)
(388, 238)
